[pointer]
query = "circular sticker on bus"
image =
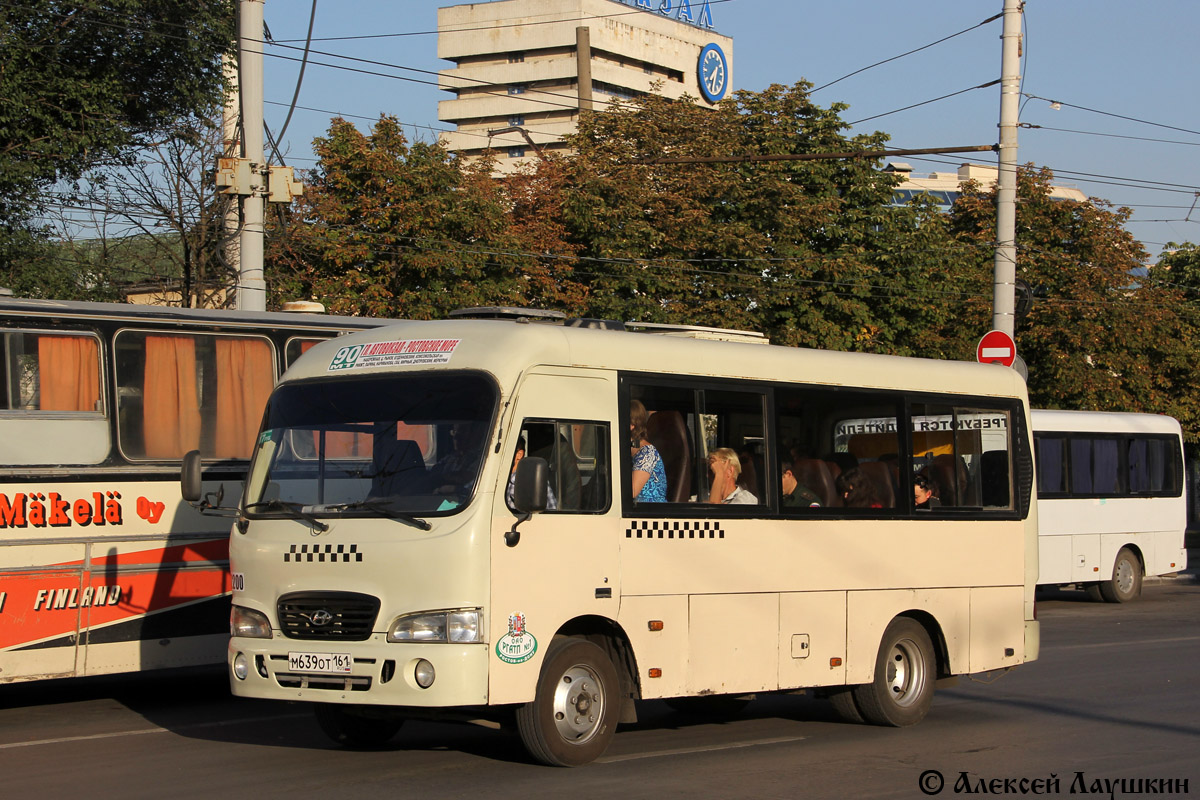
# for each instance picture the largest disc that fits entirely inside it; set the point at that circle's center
(518, 645)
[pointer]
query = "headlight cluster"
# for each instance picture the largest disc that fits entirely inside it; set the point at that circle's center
(458, 626)
(249, 623)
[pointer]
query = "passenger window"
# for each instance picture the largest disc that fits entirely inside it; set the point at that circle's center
(964, 453)
(842, 449)
(180, 392)
(298, 347)
(577, 455)
(1050, 452)
(1149, 466)
(707, 445)
(52, 372)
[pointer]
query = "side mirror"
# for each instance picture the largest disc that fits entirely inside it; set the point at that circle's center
(531, 492)
(189, 476)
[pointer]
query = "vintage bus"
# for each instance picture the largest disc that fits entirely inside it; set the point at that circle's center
(390, 559)
(102, 568)
(1111, 501)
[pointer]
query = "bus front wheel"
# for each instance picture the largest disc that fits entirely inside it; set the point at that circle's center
(346, 727)
(905, 670)
(1126, 582)
(573, 714)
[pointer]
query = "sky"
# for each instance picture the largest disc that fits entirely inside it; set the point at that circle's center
(1127, 129)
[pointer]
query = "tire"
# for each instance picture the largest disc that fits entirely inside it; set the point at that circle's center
(842, 700)
(1094, 593)
(1126, 583)
(905, 670)
(712, 705)
(573, 714)
(345, 726)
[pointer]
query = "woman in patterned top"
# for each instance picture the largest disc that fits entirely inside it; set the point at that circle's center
(649, 474)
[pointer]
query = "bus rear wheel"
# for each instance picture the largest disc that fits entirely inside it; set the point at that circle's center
(905, 670)
(346, 726)
(573, 714)
(1126, 582)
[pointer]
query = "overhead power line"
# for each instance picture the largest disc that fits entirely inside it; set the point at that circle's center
(977, 148)
(909, 53)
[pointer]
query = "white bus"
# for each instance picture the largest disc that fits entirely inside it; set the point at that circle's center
(385, 567)
(102, 568)
(1111, 505)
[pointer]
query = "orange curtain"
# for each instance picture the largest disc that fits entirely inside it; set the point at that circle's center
(68, 373)
(172, 406)
(245, 375)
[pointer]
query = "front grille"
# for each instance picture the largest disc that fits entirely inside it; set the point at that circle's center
(332, 616)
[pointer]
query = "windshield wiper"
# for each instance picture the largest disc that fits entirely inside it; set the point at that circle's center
(293, 510)
(379, 504)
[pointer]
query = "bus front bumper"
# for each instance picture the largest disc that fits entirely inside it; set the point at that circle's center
(374, 672)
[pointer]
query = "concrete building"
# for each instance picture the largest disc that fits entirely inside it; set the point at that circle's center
(525, 68)
(944, 187)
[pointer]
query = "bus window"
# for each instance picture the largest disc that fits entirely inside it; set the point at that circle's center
(688, 423)
(181, 392)
(1051, 454)
(297, 347)
(965, 453)
(577, 455)
(1094, 466)
(52, 372)
(1149, 466)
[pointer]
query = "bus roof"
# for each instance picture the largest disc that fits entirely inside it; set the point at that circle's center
(507, 348)
(1069, 421)
(125, 312)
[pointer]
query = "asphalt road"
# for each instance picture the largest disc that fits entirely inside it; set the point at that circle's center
(1113, 697)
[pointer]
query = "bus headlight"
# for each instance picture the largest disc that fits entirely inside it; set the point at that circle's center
(249, 623)
(460, 627)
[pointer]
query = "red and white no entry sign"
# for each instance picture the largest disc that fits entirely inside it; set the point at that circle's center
(996, 347)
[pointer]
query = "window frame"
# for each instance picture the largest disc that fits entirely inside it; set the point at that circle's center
(1019, 443)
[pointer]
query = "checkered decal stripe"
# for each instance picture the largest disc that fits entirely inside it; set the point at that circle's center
(322, 552)
(673, 529)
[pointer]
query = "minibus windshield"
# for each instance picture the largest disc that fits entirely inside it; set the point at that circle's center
(392, 446)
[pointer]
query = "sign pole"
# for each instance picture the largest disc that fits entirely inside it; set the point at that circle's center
(1004, 282)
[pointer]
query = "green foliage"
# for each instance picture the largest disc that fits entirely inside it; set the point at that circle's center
(386, 228)
(810, 252)
(84, 82)
(1099, 336)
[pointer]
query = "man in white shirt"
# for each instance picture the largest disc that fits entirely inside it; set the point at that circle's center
(726, 467)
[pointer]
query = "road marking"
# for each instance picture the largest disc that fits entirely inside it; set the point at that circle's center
(144, 731)
(1126, 643)
(690, 750)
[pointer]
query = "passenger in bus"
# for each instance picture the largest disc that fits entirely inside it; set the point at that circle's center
(857, 490)
(726, 467)
(796, 494)
(925, 493)
(510, 495)
(649, 474)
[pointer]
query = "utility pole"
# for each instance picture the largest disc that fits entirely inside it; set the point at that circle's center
(252, 289)
(1004, 282)
(245, 174)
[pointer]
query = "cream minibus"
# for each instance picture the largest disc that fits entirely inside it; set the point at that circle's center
(396, 557)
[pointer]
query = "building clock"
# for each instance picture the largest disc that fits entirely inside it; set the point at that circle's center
(713, 73)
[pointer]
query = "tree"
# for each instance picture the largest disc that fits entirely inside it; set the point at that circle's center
(388, 228)
(84, 83)
(1099, 336)
(812, 253)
